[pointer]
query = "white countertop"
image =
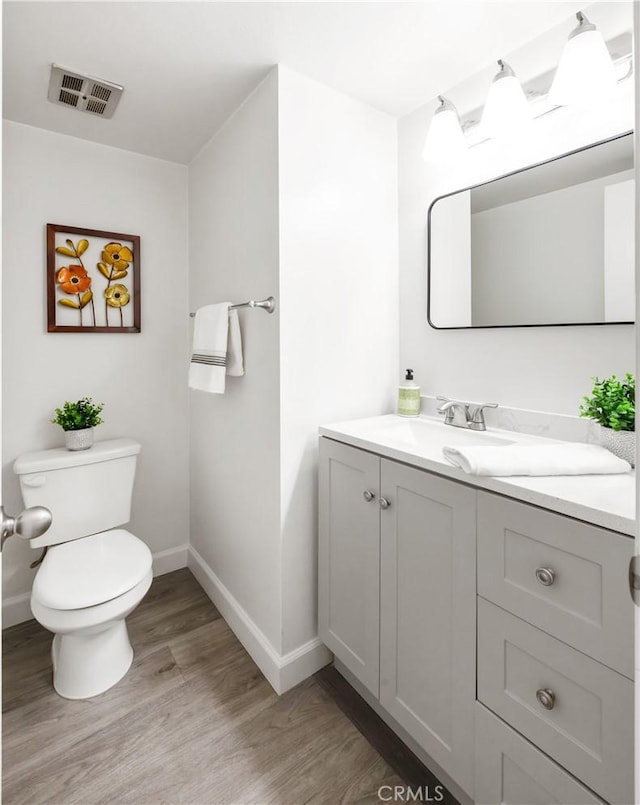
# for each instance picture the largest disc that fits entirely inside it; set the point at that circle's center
(604, 500)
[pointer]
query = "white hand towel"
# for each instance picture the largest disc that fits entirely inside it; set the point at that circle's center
(235, 366)
(217, 348)
(567, 458)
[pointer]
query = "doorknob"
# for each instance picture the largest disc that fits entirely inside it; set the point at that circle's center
(29, 524)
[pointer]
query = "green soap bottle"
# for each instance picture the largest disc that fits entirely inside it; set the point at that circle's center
(409, 396)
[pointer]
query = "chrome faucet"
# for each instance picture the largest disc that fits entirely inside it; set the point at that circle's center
(473, 413)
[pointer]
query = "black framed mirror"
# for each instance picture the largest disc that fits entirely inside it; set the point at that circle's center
(549, 245)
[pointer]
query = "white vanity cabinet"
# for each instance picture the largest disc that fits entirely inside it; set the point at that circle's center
(397, 594)
(498, 634)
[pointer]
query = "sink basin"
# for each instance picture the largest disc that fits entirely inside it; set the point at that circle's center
(426, 434)
(420, 440)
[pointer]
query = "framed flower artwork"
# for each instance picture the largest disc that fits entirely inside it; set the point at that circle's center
(93, 281)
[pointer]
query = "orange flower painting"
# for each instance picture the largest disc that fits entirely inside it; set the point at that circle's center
(73, 279)
(72, 285)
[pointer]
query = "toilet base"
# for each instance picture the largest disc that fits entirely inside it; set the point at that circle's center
(86, 664)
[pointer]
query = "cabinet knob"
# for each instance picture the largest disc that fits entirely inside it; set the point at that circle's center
(546, 697)
(368, 495)
(546, 576)
(384, 503)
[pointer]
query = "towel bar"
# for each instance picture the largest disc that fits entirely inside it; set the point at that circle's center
(268, 304)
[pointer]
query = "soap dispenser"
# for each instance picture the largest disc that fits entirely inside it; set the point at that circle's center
(408, 396)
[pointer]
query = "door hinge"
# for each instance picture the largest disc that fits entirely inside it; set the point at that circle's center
(634, 579)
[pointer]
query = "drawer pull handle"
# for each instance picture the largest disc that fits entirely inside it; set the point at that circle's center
(368, 495)
(546, 576)
(547, 698)
(384, 503)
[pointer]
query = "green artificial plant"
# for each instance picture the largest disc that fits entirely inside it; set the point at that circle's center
(612, 402)
(78, 415)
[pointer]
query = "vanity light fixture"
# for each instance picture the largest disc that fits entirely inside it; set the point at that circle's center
(445, 140)
(586, 72)
(590, 75)
(506, 111)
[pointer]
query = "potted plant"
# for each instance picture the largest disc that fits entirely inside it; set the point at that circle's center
(77, 420)
(613, 405)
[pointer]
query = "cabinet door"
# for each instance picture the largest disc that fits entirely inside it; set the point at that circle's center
(349, 559)
(428, 613)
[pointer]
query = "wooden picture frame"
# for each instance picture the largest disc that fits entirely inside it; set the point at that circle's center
(93, 281)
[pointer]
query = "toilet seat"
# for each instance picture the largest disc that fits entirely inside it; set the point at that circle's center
(66, 621)
(91, 571)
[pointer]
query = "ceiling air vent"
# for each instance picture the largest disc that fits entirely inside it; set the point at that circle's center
(83, 92)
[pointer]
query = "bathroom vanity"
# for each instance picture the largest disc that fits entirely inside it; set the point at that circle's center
(488, 619)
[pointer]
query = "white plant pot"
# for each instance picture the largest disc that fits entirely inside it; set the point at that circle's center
(78, 439)
(621, 443)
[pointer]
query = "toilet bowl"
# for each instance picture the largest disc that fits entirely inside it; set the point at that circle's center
(93, 574)
(78, 595)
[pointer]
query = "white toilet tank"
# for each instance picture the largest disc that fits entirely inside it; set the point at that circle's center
(87, 491)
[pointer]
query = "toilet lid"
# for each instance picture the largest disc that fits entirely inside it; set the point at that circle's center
(91, 570)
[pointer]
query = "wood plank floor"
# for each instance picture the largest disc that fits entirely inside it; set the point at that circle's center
(194, 722)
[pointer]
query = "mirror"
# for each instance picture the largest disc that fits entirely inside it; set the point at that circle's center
(552, 244)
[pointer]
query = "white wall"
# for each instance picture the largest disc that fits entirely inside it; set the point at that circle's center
(141, 378)
(295, 197)
(546, 368)
(338, 299)
(235, 437)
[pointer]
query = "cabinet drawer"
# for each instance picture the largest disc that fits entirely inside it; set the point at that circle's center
(512, 771)
(587, 725)
(567, 577)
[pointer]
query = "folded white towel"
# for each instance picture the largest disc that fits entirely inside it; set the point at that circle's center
(235, 365)
(217, 348)
(567, 458)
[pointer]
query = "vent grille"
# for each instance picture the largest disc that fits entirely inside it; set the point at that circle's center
(98, 91)
(82, 92)
(71, 82)
(97, 107)
(68, 97)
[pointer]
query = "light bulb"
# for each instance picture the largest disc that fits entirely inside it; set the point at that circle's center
(586, 73)
(445, 140)
(506, 112)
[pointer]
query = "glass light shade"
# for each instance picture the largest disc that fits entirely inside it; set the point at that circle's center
(445, 141)
(586, 72)
(506, 111)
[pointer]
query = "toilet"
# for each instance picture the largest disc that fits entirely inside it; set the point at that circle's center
(94, 573)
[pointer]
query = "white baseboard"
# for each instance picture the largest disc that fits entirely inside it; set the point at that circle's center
(302, 662)
(169, 560)
(17, 609)
(281, 671)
